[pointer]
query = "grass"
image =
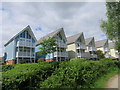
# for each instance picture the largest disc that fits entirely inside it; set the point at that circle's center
(102, 82)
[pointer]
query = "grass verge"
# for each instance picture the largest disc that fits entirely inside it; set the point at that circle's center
(102, 82)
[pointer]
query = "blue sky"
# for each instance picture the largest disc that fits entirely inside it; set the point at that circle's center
(47, 17)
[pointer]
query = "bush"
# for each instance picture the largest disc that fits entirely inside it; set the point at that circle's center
(26, 76)
(7, 67)
(78, 74)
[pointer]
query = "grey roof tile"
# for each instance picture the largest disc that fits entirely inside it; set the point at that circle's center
(50, 35)
(73, 38)
(111, 45)
(88, 40)
(100, 43)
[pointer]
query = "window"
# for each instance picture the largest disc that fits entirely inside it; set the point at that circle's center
(33, 41)
(22, 35)
(63, 40)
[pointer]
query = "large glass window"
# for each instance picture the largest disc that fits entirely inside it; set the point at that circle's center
(22, 35)
(28, 36)
(33, 41)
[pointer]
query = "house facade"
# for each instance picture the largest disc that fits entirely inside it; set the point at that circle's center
(20, 48)
(103, 46)
(76, 46)
(113, 52)
(91, 49)
(61, 41)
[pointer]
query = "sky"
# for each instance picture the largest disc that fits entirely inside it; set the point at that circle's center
(45, 17)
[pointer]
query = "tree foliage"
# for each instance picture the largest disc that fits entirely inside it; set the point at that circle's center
(100, 54)
(111, 26)
(47, 46)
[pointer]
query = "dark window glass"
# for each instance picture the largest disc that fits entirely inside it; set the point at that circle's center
(21, 35)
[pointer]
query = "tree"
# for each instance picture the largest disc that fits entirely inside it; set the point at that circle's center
(111, 27)
(48, 47)
(100, 54)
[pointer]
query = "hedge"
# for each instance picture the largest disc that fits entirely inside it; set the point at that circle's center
(7, 67)
(78, 74)
(27, 76)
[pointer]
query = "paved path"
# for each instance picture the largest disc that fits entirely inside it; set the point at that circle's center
(114, 82)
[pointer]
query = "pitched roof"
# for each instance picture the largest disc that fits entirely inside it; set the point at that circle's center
(111, 45)
(73, 38)
(26, 28)
(88, 40)
(50, 35)
(100, 43)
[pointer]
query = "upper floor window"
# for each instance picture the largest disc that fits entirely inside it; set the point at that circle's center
(33, 41)
(63, 41)
(22, 35)
(59, 35)
(28, 36)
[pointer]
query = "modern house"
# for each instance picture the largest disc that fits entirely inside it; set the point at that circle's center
(103, 46)
(60, 54)
(76, 46)
(91, 49)
(113, 51)
(21, 48)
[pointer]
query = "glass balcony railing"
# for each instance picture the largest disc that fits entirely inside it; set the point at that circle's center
(80, 46)
(24, 54)
(60, 54)
(92, 49)
(81, 54)
(106, 49)
(60, 43)
(25, 44)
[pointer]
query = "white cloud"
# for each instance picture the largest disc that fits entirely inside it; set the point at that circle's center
(73, 17)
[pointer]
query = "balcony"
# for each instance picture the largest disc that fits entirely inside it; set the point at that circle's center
(60, 54)
(25, 43)
(81, 55)
(25, 54)
(106, 49)
(80, 46)
(60, 43)
(93, 56)
(107, 55)
(92, 49)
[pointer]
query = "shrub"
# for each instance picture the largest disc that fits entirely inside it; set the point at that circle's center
(7, 67)
(78, 74)
(26, 76)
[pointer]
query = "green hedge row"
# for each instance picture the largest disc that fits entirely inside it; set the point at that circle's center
(79, 73)
(27, 76)
(7, 67)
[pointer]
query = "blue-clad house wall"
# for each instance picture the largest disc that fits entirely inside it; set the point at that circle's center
(20, 48)
(10, 50)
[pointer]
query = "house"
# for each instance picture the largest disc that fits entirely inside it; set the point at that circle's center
(20, 48)
(91, 49)
(103, 46)
(113, 51)
(76, 46)
(60, 54)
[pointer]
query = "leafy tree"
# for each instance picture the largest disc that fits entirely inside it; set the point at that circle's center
(48, 47)
(100, 54)
(111, 27)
